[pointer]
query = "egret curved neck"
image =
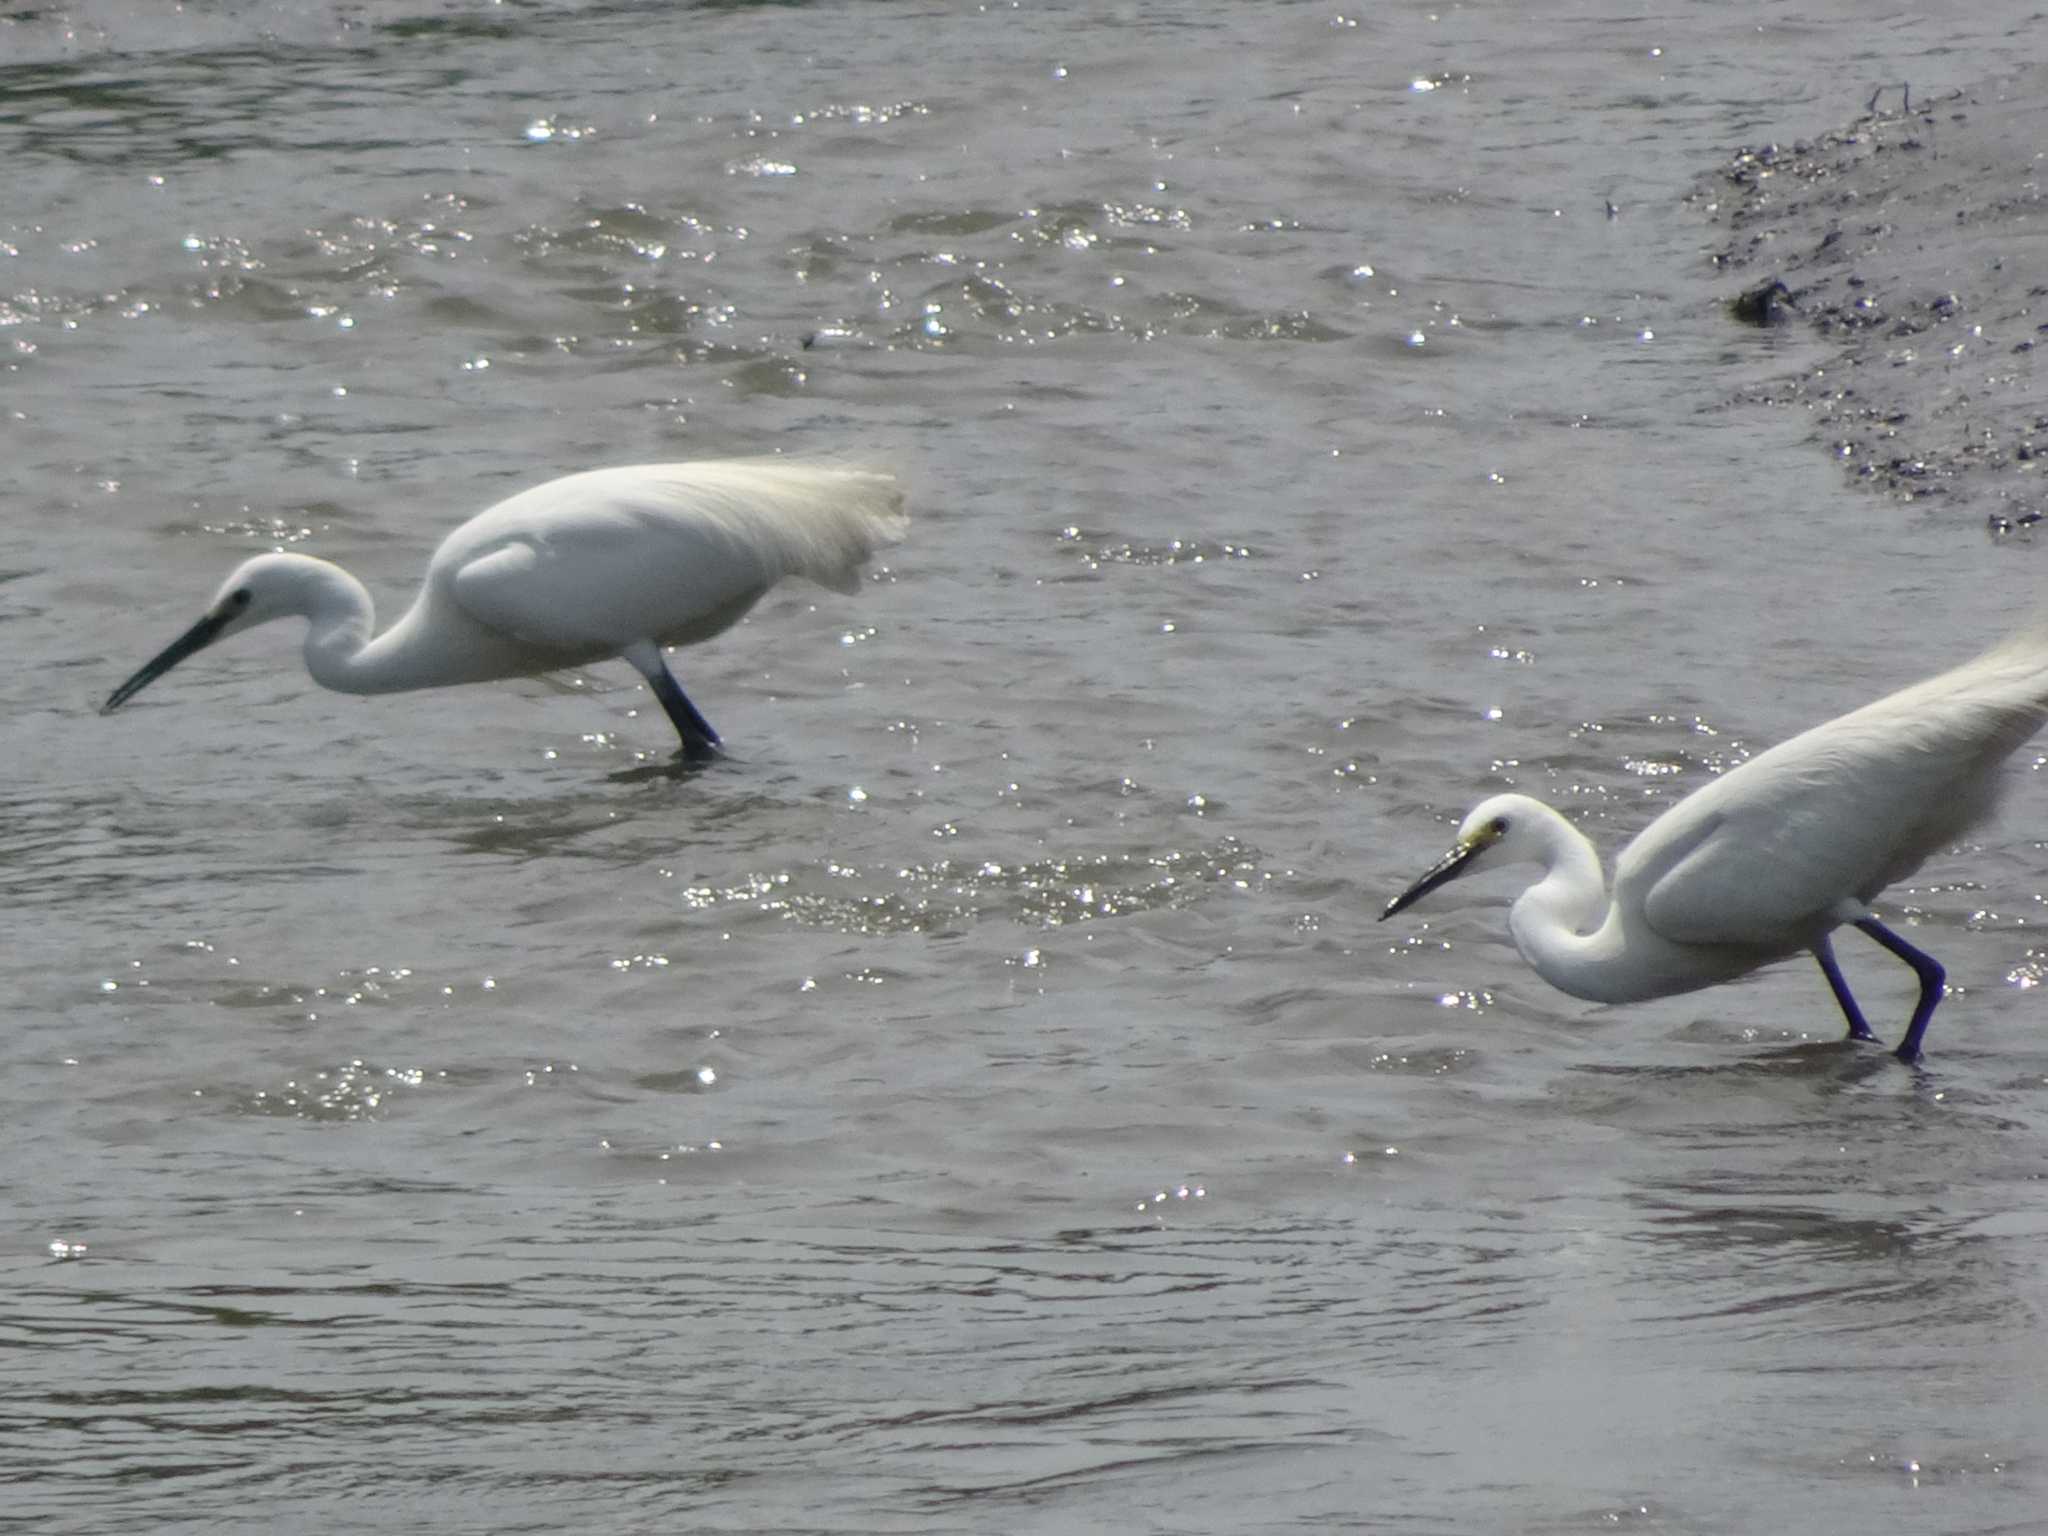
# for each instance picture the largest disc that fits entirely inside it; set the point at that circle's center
(1563, 924)
(340, 618)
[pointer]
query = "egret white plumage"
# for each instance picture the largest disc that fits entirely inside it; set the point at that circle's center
(1774, 855)
(610, 562)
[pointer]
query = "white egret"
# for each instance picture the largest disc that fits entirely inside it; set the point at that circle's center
(1774, 855)
(610, 562)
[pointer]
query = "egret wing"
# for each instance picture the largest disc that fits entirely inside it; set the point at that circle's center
(1765, 854)
(669, 553)
(601, 588)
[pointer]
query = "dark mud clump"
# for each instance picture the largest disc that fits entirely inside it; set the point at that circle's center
(1915, 242)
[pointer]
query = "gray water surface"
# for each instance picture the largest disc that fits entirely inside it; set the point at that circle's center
(985, 1102)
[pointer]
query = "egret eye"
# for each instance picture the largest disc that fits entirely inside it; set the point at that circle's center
(241, 597)
(1499, 827)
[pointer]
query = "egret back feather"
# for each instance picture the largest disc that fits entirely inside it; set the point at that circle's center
(1769, 850)
(673, 553)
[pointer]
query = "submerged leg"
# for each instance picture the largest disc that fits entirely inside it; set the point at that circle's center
(700, 742)
(1824, 952)
(1931, 975)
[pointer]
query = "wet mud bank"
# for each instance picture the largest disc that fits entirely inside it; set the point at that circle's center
(1914, 242)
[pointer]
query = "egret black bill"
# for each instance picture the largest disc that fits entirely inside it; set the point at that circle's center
(1449, 867)
(197, 638)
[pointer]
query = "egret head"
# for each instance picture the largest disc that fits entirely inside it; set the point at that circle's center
(265, 588)
(1503, 830)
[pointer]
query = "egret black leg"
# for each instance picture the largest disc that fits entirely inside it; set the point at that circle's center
(700, 742)
(1824, 952)
(1932, 978)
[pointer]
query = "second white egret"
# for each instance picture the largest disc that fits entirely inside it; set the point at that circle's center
(1774, 855)
(610, 562)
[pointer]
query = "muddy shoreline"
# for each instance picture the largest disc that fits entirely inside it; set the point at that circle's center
(1914, 241)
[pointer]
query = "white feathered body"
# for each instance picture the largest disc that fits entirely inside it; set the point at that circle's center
(576, 570)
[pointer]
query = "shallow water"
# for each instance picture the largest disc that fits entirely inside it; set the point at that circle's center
(987, 1101)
